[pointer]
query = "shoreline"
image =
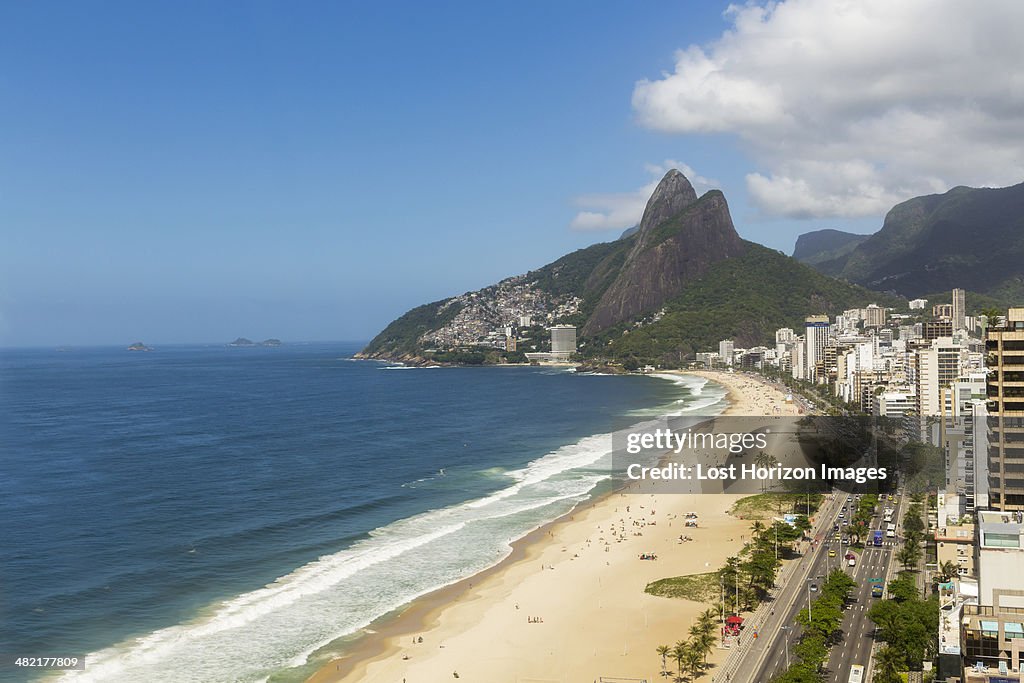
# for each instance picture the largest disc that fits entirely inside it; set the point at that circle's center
(453, 617)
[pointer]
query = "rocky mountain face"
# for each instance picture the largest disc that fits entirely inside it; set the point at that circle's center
(678, 239)
(968, 237)
(825, 245)
(679, 282)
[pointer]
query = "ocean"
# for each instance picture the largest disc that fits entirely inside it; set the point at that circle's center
(206, 513)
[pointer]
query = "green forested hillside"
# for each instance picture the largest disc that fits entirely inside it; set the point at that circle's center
(400, 337)
(746, 299)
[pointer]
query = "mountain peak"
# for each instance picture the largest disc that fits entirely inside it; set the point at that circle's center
(673, 194)
(680, 237)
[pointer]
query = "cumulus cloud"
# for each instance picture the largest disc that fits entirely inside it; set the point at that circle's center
(620, 210)
(849, 107)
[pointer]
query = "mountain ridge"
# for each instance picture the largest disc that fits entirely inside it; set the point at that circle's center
(679, 283)
(971, 238)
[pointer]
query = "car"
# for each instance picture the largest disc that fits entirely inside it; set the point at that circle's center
(814, 587)
(831, 552)
(845, 540)
(835, 527)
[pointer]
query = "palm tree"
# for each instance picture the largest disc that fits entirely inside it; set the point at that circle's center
(694, 658)
(909, 555)
(764, 459)
(679, 654)
(887, 666)
(992, 315)
(704, 643)
(948, 570)
(664, 651)
(706, 620)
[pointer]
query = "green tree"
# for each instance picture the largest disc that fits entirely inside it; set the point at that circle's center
(887, 666)
(679, 654)
(947, 571)
(909, 555)
(664, 651)
(693, 658)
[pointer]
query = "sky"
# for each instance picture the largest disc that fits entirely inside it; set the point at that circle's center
(194, 172)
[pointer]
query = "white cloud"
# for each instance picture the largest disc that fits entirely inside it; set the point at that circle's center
(621, 210)
(850, 107)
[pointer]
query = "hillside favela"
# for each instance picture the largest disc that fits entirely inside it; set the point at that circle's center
(598, 345)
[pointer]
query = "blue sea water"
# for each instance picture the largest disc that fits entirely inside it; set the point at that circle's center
(205, 513)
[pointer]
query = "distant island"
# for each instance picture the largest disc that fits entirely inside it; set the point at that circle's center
(242, 341)
(139, 346)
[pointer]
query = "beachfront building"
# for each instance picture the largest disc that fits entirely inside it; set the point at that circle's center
(991, 628)
(954, 534)
(1005, 393)
(707, 358)
(563, 341)
(816, 333)
(725, 350)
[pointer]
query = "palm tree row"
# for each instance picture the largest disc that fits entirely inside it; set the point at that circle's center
(691, 654)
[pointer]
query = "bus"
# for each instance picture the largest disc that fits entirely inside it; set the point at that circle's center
(890, 531)
(856, 674)
(877, 538)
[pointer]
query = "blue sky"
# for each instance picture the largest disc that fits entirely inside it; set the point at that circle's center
(192, 172)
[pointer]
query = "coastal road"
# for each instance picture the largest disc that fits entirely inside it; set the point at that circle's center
(767, 655)
(763, 656)
(858, 630)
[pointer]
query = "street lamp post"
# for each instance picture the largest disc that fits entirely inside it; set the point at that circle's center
(785, 641)
(808, 582)
(808, 585)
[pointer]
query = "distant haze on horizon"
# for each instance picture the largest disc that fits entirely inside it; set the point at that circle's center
(194, 172)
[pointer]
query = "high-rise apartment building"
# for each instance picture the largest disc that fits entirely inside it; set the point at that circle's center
(959, 309)
(1004, 348)
(937, 367)
(816, 329)
(563, 340)
(933, 329)
(874, 316)
(725, 349)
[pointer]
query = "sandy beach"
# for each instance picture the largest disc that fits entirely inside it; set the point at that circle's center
(569, 603)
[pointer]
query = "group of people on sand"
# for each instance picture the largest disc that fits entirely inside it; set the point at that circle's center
(534, 620)
(685, 539)
(648, 556)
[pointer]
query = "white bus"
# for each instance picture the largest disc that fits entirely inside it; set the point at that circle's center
(890, 531)
(856, 674)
